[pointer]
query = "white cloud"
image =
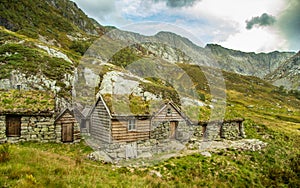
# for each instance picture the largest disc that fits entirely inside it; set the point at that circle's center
(104, 11)
(257, 39)
(211, 21)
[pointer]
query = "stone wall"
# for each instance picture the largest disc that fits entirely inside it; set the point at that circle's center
(160, 130)
(36, 128)
(159, 139)
(139, 149)
(77, 133)
(185, 132)
(2, 129)
(230, 130)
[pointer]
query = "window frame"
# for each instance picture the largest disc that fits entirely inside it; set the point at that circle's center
(131, 125)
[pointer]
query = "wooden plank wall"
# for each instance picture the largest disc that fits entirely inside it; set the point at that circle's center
(162, 116)
(100, 123)
(66, 118)
(120, 130)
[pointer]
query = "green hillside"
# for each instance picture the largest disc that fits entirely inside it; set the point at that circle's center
(49, 19)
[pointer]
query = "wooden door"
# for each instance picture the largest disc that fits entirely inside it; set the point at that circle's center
(67, 132)
(13, 126)
(173, 127)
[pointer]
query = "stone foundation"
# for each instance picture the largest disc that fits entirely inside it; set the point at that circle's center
(140, 149)
(187, 137)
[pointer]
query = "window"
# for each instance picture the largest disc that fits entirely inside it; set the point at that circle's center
(169, 113)
(13, 126)
(131, 125)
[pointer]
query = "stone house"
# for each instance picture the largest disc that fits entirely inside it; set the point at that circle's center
(110, 127)
(29, 116)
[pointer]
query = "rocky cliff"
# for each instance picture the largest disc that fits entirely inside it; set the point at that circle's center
(176, 49)
(287, 74)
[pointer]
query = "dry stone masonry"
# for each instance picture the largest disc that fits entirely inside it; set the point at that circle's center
(187, 137)
(36, 128)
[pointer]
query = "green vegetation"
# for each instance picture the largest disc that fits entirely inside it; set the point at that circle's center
(31, 61)
(125, 57)
(80, 46)
(161, 88)
(15, 101)
(46, 18)
(251, 97)
(4, 153)
(65, 165)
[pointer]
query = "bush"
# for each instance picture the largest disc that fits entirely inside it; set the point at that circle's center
(4, 153)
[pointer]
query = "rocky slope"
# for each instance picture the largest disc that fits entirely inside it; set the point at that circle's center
(287, 74)
(174, 48)
(41, 44)
(251, 64)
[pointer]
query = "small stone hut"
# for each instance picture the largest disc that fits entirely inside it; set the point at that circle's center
(28, 116)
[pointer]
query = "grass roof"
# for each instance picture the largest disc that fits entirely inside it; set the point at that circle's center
(26, 102)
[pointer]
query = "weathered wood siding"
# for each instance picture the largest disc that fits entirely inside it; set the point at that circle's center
(100, 123)
(67, 117)
(70, 129)
(120, 130)
(164, 116)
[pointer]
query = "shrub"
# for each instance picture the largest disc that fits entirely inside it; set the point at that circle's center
(4, 153)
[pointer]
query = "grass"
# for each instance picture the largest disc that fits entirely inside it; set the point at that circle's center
(26, 101)
(65, 165)
(4, 153)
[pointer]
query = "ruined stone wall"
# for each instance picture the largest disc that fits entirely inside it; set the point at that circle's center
(230, 130)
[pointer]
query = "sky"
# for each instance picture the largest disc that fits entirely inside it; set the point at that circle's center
(246, 25)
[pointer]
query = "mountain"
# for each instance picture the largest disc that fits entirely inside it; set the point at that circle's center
(45, 52)
(175, 48)
(251, 64)
(287, 74)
